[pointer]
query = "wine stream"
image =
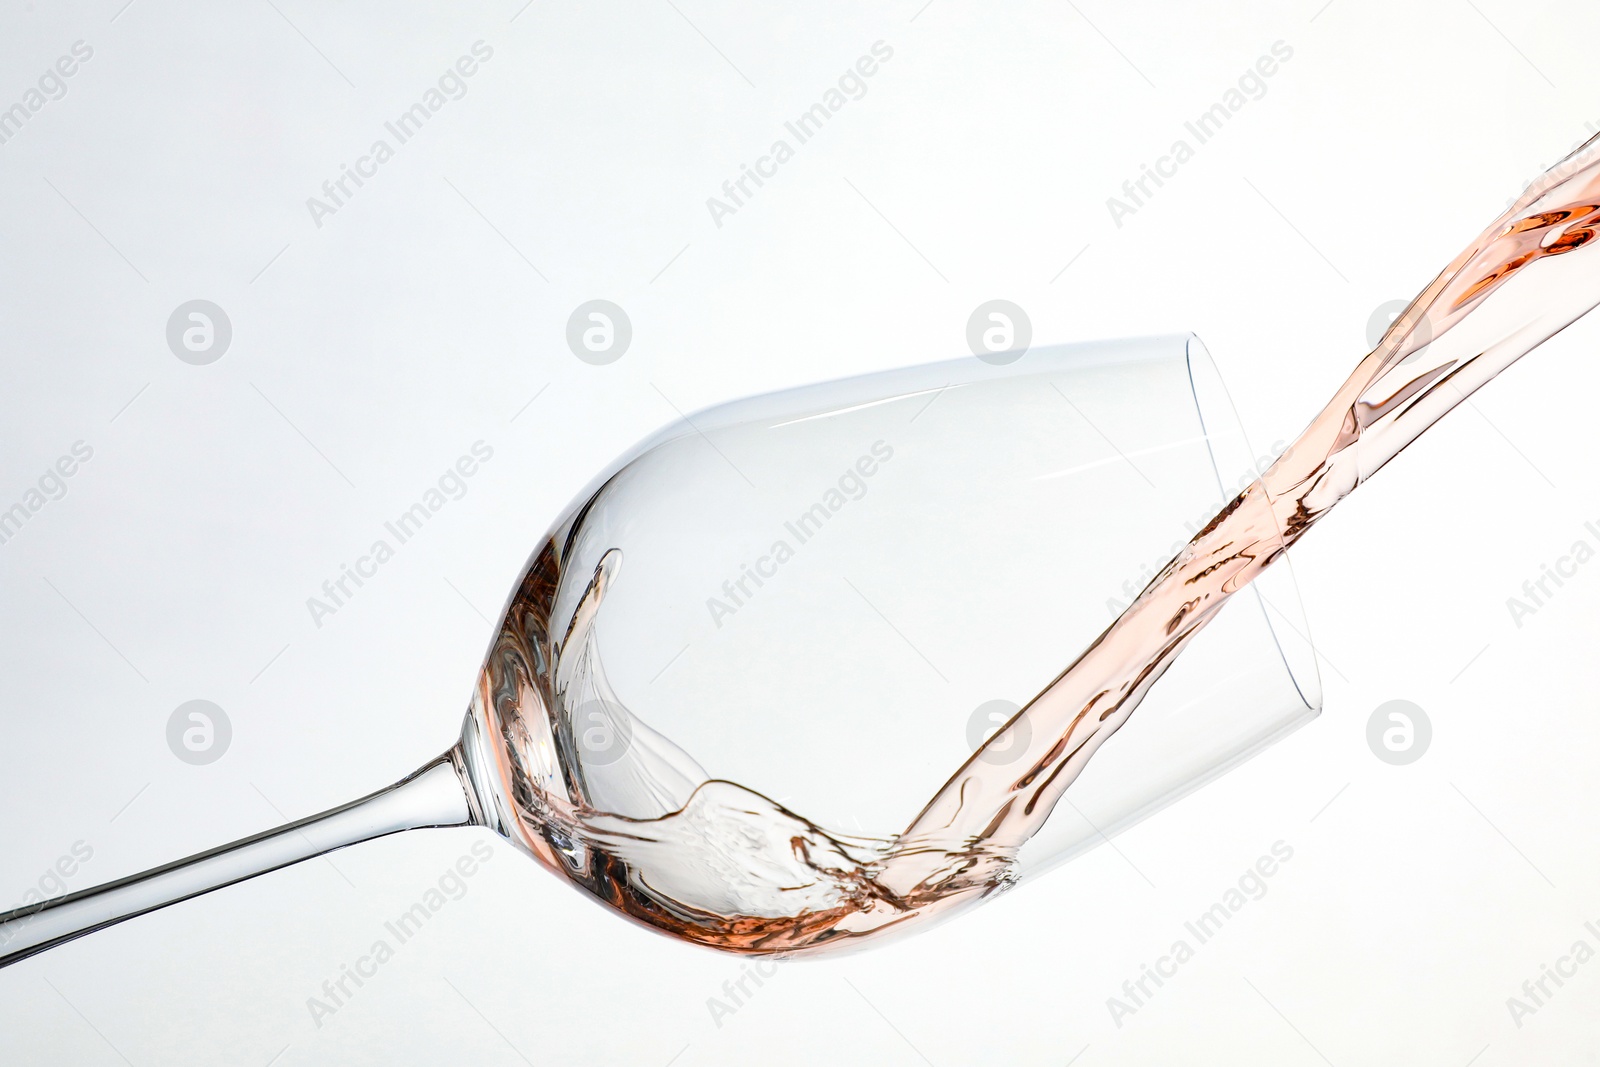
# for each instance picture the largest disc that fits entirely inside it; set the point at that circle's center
(716, 863)
(719, 864)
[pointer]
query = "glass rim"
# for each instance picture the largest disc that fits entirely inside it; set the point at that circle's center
(1275, 591)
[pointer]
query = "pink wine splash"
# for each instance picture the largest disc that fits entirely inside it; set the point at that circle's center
(715, 863)
(721, 865)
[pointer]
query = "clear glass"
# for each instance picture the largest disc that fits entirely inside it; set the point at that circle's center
(824, 635)
(876, 556)
(829, 597)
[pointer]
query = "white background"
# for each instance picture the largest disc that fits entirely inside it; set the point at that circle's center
(415, 321)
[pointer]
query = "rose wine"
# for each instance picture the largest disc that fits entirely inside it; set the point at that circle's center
(719, 864)
(553, 760)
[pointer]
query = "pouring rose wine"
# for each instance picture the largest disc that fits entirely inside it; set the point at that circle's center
(553, 759)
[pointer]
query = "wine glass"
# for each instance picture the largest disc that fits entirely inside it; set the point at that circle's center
(733, 671)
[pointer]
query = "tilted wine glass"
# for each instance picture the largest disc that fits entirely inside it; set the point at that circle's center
(731, 673)
(834, 575)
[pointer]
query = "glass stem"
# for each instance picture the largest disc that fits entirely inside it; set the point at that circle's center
(439, 794)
